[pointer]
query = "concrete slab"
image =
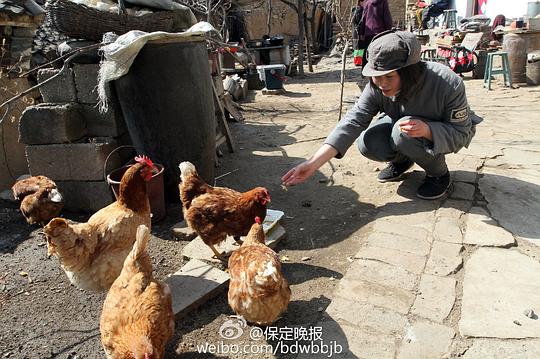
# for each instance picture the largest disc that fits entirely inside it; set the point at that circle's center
(399, 227)
(74, 161)
(448, 229)
(59, 90)
(453, 208)
(354, 342)
(416, 246)
(470, 176)
(463, 190)
(525, 157)
(499, 285)
(396, 299)
(482, 230)
(498, 349)
(436, 297)
(382, 273)
(422, 219)
(183, 232)
(367, 316)
(85, 76)
(50, 123)
(195, 283)
(445, 259)
(514, 199)
(110, 123)
(198, 250)
(88, 197)
(409, 261)
(426, 340)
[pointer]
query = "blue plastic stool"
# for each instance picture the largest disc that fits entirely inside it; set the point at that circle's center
(490, 71)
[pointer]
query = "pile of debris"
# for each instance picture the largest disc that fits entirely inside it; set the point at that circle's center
(18, 23)
(46, 43)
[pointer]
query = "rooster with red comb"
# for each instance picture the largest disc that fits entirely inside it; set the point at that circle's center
(92, 254)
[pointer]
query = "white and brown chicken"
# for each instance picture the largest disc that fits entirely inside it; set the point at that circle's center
(258, 291)
(40, 199)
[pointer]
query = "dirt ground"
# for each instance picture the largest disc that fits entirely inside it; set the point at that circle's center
(43, 316)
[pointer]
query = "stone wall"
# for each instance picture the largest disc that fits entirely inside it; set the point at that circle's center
(69, 141)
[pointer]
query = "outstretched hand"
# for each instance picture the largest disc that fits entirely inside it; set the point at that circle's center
(304, 170)
(298, 174)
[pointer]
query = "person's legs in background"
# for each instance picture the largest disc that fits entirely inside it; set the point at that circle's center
(365, 43)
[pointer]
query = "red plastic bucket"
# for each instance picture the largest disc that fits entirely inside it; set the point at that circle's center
(154, 189)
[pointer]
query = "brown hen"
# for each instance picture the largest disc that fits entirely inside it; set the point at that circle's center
(215, 212)
(40, 199)
(258, 291)
(137, 318)
(92, 254)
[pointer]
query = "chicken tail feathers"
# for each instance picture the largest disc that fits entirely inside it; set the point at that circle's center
(187, 169)
(141, 243)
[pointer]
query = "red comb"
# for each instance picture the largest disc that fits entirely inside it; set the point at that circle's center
(144, 159)
(258, 220)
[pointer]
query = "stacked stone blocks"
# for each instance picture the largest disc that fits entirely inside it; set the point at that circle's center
(70, 141)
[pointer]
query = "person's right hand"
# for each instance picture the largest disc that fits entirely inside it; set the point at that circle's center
(298, 174)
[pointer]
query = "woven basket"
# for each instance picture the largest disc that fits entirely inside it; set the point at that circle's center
(83, 22)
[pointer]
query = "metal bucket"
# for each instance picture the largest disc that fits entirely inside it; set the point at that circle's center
(533, 73)
(154, 190)
(516, 48)
(533, 8)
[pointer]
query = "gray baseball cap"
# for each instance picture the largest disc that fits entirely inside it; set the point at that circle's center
(390, 51)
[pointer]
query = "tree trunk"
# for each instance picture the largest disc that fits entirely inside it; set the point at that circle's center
(342, 78)
(313, 34)
(300, 7)
(308, 50)
(269, 18)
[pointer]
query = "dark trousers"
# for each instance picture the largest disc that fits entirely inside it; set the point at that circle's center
(431, 11)
(363, 44)
(384, 142)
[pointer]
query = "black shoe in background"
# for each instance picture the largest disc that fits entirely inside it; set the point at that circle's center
(394, 171)
(434, 187)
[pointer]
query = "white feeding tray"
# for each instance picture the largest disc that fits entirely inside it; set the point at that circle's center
(272, 218)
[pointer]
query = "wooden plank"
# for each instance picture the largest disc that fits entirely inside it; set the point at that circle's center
(231, 106)
(222, 121)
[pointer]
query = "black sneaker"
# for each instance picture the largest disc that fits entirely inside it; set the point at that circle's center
(394, 171)
(434, 187)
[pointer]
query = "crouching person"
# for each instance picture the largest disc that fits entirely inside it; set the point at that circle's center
(410, 112)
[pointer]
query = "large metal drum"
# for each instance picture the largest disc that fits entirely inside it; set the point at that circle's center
(516, 47)
(167, 102)
(533, 73)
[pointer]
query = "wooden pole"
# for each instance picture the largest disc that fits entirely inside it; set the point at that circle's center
(342, 81)
(269, 18)
(300, 7)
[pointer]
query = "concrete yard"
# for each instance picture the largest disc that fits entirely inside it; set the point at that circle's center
(374, 271)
